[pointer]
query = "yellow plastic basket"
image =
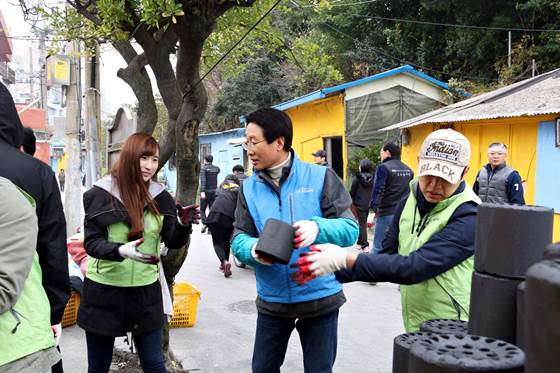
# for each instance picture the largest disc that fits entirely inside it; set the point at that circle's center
(185, 301)
(70, 316)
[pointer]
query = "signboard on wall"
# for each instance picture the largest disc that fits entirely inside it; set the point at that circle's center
(58, 71)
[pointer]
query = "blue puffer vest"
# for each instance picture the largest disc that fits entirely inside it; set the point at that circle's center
(300, 199)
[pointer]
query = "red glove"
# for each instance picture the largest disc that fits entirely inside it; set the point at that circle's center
(188, 215)
(303, 275)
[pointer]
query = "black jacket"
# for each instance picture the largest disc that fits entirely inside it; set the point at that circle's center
(444, 250)
(360, 191)
(102, 210)
(224, 204)
(113, 310)
(390, 186)
(39, 181)
(209, 177)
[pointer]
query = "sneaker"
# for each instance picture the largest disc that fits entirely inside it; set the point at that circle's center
(227, 268)
(203, 230)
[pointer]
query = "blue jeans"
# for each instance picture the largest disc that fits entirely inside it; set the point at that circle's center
(381, 226)
(149, 345)
(318, 338)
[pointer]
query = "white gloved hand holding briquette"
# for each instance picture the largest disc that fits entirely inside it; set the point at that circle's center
(323, 259)
(129, 251)
(306, 233)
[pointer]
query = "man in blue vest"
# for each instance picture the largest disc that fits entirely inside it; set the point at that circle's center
(313, 199)
(429, 247)
(497, 182)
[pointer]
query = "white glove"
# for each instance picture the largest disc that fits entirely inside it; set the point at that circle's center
(202, 195)
(306, 233)
(330, 259)
(57, 333)
(371, 219)
(258, 258)
(128, 251)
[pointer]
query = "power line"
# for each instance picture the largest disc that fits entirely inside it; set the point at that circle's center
(232, 48)
(478, 79)
(428, 22)
(368, 18)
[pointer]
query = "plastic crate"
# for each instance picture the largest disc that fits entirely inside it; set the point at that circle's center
(70, 316)
(185, 301)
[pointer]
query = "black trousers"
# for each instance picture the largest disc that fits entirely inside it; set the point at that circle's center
(362, 222)
(221, 236)
(206, 203)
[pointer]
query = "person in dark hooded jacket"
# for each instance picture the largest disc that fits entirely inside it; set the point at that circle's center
(220, 220)
(360, 191)
(38, 180)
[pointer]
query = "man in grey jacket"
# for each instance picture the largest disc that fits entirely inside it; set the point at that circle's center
(497, 182)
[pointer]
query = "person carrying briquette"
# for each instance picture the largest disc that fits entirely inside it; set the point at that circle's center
(127, 215)
(429, 247)
(314, 200)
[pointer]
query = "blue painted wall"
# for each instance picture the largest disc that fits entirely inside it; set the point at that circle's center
(548, 165)
(225, 155)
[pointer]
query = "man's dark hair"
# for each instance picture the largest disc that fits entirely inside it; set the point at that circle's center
(29, 141)
(209, 158)
(274, 123)
(393, 148)
(238, 168)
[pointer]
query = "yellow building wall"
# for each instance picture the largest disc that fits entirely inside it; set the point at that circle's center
(556, 229)
(519, 134)
(314, 121)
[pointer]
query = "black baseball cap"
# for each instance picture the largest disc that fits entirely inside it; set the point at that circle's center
(320, 153)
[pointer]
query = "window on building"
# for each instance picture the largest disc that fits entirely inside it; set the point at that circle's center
(205, 149)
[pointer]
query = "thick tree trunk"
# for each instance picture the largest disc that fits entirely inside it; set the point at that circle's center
(137, 78)
(192, 111)
(157, 54)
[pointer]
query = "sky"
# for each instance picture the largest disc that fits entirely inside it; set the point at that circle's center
(114, 92)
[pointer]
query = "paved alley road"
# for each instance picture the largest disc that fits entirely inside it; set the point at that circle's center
(222, 339)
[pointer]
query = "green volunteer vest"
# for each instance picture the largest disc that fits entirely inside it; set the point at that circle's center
(128, 273)
(26, 328)
(434, 298)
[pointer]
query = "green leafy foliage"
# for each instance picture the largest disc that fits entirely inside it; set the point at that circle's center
(371, 153)
(370, 37)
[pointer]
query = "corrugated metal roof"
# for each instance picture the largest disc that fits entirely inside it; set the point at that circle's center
(242, 129)
(324, 92)
(534, 96)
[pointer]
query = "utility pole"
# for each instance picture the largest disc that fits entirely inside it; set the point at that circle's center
(92, 118)
(533, 67)
(31, 79)
(43, 70)
(509, 48)
(72, 193)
